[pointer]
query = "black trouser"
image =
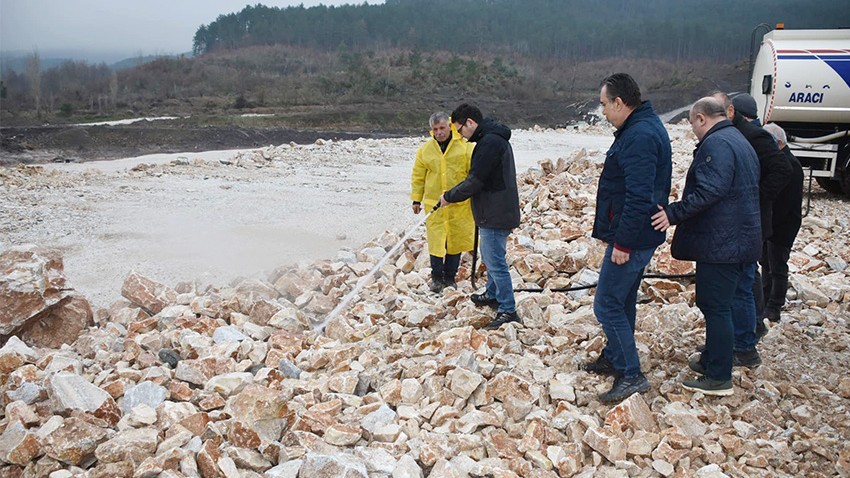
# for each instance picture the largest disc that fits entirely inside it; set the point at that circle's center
(774, 264)
(445, 268)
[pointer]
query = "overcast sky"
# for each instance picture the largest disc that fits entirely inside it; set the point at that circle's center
(116, 28)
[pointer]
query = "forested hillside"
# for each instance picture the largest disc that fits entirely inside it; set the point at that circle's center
(380, 67)
(575, 29)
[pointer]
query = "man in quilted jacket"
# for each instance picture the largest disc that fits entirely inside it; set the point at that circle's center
(718, 225)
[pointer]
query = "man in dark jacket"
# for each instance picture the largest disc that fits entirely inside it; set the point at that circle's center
(491, 184)
(787, 217)
(635, 180)
(719, 228)
(775, 174)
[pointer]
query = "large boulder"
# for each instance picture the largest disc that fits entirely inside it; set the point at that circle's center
(61, 324)
(36, 302)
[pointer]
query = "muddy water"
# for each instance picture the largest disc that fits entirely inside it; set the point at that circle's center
(218, 223)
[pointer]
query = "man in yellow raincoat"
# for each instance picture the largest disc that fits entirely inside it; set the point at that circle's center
(441, 163)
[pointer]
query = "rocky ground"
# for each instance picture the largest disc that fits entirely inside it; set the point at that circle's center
(235, 379)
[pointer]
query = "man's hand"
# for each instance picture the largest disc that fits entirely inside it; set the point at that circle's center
(619, 257)
(416, 208)
(443, 201)
(660, 221)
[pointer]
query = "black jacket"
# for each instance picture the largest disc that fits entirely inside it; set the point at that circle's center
(491, 182)
(787, 209)
(775, 169)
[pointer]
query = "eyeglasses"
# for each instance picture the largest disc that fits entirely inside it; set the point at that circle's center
(461, 126)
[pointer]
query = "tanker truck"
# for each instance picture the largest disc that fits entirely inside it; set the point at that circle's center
(801, 81)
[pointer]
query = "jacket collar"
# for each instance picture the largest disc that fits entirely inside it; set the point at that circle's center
(490, 126)
(720, 125)
(644, 110)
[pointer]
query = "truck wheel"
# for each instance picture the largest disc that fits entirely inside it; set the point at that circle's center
(844, 167)
(845, 182)
(831, 185)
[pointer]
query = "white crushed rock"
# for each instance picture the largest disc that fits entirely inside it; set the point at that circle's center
(378, 395)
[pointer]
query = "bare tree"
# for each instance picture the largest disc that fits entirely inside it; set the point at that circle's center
(113, 88)
(34, 72)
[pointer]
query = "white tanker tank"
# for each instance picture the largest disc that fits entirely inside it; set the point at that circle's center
(801, 81)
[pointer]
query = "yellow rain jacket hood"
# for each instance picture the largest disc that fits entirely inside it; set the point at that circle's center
(450, 229)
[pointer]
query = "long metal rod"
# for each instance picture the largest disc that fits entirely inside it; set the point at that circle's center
(474, 257)
(363, 280)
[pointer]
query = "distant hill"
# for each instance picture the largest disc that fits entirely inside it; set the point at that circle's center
(141, 60)
(17, 62)
(679, 30)
(386, 67)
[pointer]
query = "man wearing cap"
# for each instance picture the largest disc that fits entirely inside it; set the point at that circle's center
(775, 173)
(746, 105)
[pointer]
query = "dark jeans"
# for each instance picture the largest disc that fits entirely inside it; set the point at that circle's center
(758, 294)
(615, 307)
(445, 268)
(744, 309)
(716, 285)
(774, 264)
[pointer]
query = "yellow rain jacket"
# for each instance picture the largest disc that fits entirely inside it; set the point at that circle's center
(450, 229)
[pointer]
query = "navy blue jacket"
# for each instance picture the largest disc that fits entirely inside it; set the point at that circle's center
(718, 218)
(635, 180)
(491, 182)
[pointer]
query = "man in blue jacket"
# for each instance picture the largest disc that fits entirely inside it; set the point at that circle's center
(635, 180)
(719, 227)
(491, 183)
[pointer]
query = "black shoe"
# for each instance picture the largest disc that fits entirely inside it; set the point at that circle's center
(449, 282)
(695, 364)
(708, 386)
(482, 299)
(749, 359)
(761, 330)
(501, 319)
(436, 285)
(600, 366)
(624, 387)
(771, 315)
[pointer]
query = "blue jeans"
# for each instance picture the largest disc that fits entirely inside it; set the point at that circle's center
(445, 268)
(744, 311)
(493, 244)
(615, 308)
(717, 286)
